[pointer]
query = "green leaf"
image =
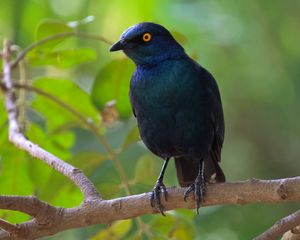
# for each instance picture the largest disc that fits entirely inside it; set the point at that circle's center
(48, 28)
(60, 186)
(62, 58)
(58, 144)
(50, 185)
(108, 189)
(51, 27)
(14, 179)
(173, 227)
(144, 170)
(88, 160)
(117, 231)
(112, 83)
(132, 137)
(70, 94)
(162, 225)
(14, 216)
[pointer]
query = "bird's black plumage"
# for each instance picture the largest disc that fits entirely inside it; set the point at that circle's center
(177, 105)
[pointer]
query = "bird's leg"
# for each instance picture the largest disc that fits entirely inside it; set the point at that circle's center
(198, 187)
(159, 188)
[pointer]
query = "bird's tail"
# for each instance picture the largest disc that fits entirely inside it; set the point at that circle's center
(187, 171)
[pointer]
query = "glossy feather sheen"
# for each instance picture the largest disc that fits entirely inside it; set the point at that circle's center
(178, 109)
(177, 104)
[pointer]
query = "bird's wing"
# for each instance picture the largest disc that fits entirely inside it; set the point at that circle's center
(217, 118)
(217, 123)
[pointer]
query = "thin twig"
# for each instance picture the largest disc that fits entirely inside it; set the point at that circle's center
(21, 103)
(26, 204)
(54, 37)
(15, 136)
(281, 226)
(87, 123)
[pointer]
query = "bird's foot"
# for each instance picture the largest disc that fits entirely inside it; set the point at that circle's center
(199, 189)
(155, 196)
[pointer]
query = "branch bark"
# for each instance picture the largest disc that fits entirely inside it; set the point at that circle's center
(293, 234)
(281, 226)
(106, 211)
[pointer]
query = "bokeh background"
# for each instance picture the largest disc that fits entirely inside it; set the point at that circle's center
(251, 47)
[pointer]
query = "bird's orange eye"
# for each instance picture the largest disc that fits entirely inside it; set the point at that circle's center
(147, 37)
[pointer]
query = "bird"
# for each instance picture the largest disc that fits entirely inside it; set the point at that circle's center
(178, 109)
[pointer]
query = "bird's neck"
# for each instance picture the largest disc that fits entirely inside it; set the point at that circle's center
(151, 61)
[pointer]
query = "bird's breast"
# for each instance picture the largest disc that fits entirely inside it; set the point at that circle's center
(167, 108)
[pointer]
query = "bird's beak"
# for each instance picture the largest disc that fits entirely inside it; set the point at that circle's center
(117, 46)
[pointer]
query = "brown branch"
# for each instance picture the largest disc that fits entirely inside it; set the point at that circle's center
(281, 226)
(107, 211)
(16, 137)
(29, 205)
(293, 234)
(8, 227)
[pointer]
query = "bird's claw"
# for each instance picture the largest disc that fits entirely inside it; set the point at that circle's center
(199, 189)
(155, 196)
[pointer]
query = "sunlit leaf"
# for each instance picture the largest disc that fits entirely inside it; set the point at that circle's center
(68, 196)
(14, 179)
(144, 170)
(60, 184)
(14, 216)
(112, 83)
(182, 233)
(185, 214)
(116, 231)
(50, 27)
(173, 227)
(62, 58)
(132, 137)
(162, 225)
(108, 189)
(38, 171)
(70, 94)
(88, 160)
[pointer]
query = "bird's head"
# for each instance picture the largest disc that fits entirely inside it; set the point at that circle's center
(148, 43)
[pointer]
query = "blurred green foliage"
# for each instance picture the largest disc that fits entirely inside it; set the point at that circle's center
(251, 47)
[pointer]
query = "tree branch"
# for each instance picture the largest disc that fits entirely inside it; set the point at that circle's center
(281, 226)
(107, 211)
(16, 137)
(8, 227)
(293, 234)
